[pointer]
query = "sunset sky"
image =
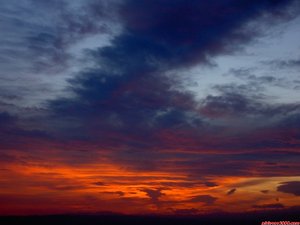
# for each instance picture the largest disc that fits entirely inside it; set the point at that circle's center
(149, 106)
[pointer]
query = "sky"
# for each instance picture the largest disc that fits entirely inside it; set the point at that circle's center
(168, 107)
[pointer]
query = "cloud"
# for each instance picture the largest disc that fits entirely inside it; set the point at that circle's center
(124, 90)
(207, 199)
(257, 83)
(6, 119)
(38, 45)
(67, 187)
(269, 206)
(154, 195)
(210, 184)
(228, 105)
(231, 192)
(243, 101)
(99, 183)
(119, 193)
(159, 23)
(291, 187)
(284, 64)
(191, 211)
(128, 101)
(125, 104)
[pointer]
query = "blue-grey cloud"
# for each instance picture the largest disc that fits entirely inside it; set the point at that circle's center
(284, 64)
(130, 88)
(126, 101)
(291, 187)
(36, 40)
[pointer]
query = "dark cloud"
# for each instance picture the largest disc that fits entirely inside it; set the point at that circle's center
(207, 199)
(154, 195)
(99, 183)
(257, 84)
(249, 74)
(6, 119)
(228, 105)
(37, 40)
(183, 41)
(191, 211)
(67, 187)
(291, 187)
(231, 192)
(269, 206)
(264, 191)
(128, 104)
(211, 184)
(125, 105)
(51, 27)
(119, 193)
(284, 64)
(9, 130)
(244, 100)
(125, 88)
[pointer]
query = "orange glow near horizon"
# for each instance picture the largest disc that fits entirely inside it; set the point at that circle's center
(37, 188)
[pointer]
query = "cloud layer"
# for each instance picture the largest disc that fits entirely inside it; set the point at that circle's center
(123, 106)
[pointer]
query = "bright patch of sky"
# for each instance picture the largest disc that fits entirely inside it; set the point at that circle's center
(270, 63)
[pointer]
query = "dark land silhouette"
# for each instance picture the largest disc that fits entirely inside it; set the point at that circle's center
(292, 215)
